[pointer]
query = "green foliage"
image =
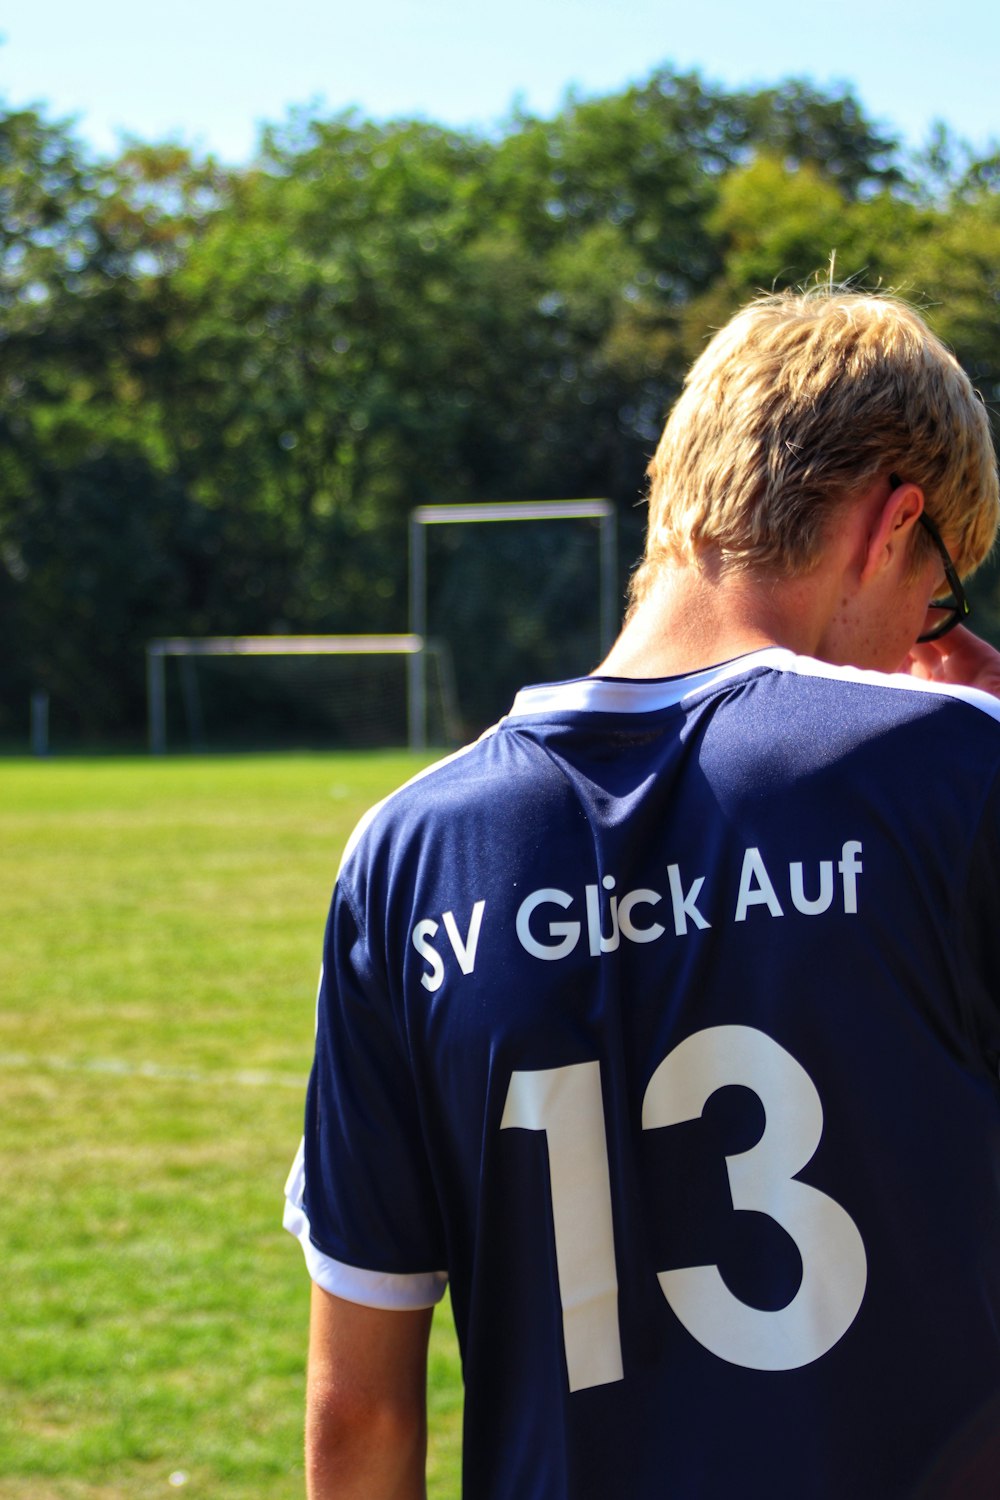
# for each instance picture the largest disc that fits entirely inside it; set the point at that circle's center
(221, 392)
(805, 128)
(778, 224)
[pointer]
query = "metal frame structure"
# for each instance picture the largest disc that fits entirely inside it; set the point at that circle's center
(507, 510)
(411, 645)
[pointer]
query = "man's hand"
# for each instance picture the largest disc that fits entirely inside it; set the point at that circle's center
(366, 1423)
(958, 657)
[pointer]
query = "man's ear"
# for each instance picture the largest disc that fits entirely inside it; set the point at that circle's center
(891, 527)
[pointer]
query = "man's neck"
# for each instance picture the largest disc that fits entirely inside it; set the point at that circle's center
(693, 618)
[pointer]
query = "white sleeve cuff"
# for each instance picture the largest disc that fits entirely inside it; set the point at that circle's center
(369, 1288)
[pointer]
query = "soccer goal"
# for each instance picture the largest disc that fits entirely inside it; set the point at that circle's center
(534, 598)
(331, 691)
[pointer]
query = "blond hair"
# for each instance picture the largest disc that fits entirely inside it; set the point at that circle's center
(799, 403)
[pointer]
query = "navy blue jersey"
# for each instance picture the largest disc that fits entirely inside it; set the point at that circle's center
(663, 1022)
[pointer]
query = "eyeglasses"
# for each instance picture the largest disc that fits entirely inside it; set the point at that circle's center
(942, 614)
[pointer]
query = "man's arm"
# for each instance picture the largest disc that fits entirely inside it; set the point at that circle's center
(366, 1406)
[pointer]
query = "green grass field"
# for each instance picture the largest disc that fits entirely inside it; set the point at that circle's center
(160, 929)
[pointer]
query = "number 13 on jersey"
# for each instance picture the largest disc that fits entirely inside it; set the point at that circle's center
(567, 1105)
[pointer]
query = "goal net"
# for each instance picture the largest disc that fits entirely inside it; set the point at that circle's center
(533, 599)
(294, 692)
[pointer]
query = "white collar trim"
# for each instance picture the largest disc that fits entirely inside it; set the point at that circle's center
(634, 695)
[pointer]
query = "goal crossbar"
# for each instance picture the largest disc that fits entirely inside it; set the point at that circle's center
(514, 510)
(285, 645)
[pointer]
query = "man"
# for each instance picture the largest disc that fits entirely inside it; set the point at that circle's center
(664, 1021)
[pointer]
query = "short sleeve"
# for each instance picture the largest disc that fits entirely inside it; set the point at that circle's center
(360, 1197)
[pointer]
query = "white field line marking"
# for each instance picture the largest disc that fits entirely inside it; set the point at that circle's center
(117, 1067)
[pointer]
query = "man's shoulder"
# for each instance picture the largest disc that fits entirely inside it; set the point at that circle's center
(893, 693)
(885, 721)
(480, 775)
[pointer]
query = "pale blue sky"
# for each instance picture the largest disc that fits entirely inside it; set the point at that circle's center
(209, 71)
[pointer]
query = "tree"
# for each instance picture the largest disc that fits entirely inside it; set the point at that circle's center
(85, 253)
(803, 128)
(223, 391)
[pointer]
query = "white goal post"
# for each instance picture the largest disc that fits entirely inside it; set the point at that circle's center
(603, 511)
(410, 645)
